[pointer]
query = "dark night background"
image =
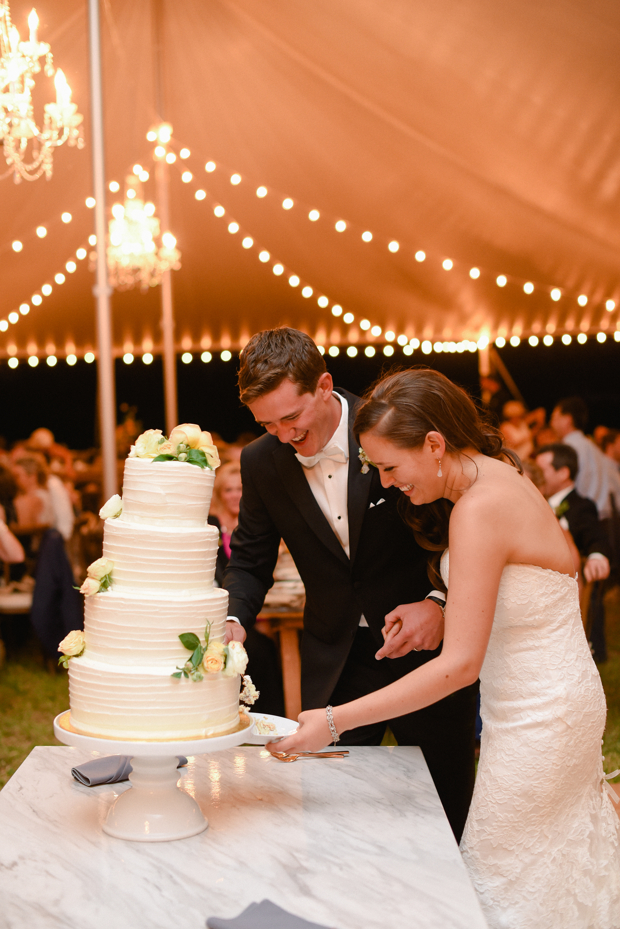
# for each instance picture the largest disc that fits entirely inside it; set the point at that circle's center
(64, 398)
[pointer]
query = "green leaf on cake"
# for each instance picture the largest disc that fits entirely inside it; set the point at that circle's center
(177, 674)
(190, 641)
(165, 458)
(197, 656)
(196, 456)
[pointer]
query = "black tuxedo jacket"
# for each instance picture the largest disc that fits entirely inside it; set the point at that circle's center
(584, 525)
(386, 567)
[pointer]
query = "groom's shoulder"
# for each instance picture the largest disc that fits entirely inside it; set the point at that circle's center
(260, 449)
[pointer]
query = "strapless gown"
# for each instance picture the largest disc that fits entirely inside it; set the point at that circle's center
(542, 840)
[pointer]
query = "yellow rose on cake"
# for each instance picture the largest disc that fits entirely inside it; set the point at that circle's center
(147, 445)
(191, 435)
(214, 658)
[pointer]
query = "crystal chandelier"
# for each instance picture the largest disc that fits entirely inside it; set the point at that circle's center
(29, 150)
(133, 255)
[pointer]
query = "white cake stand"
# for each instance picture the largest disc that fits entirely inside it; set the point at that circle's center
(155, 809)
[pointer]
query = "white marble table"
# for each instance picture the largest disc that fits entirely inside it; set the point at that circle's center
(355, 843)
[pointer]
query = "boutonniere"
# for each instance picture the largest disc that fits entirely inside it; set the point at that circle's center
(366, 462)
(563, 508)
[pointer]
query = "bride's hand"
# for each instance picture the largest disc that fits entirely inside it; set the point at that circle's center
(312, 735)
(421, 628)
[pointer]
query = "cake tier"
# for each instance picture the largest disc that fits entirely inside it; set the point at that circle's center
(174, 492)
(160, 557)
(138, 630)
(148, 704)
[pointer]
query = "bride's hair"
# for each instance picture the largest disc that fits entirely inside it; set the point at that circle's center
(403, 408)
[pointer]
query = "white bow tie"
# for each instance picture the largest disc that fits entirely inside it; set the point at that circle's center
(333, 452)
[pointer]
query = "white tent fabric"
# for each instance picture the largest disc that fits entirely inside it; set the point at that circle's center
(484, 132)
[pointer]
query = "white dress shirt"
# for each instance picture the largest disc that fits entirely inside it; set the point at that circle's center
(328, 478)
(597, 476)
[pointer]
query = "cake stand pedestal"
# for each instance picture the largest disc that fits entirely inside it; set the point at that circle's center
(155, 809)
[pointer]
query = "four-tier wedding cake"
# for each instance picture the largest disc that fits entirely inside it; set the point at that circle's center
(151, 663)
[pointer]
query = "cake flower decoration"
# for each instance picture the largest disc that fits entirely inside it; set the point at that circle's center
(366, 462)
(98, 577)
(210, 658)
(111, 508)
(71, 647)
(187, 442)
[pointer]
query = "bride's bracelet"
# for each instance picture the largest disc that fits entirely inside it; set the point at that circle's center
(329, 712)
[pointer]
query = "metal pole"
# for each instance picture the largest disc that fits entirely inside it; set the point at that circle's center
(163, 203)
(102, 291)
(167, 308)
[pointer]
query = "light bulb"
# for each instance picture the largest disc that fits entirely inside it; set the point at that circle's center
(200, 194)
(206, 357)
(261, 192)
(307, 292)
(248, 242)
(528, 287)
(235, 179)
(420, 255)
(447, 264)
(293, 280)
(367, 236)
(16, 245)
(351, 351)
(186, 177)
(556, 293)
(313, 215)
(340, 225)
(567, 339)
(41, 232)
(501, 281)
(388, 350)
(210, 167)
(500, 341)
(370, 351)
(336, 310)
(287, 203)
(226, 355)
(264, 256)
(233, 227)
(186, 357)
(474, 273)
(393, 246)
(115, 186)
(533, 340)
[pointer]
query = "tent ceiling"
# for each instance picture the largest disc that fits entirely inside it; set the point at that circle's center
(486, 132)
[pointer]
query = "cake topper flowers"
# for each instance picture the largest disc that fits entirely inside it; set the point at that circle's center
(98, 577)
(187, 442)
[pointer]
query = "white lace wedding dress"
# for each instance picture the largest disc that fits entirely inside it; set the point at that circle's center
(542, 840)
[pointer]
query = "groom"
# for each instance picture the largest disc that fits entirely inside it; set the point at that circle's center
(304, 483)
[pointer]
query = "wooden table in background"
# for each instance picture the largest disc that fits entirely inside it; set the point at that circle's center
(285, 627)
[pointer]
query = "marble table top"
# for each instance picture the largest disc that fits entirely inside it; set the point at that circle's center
(355, 843)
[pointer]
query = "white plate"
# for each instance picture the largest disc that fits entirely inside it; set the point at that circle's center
(283, 726)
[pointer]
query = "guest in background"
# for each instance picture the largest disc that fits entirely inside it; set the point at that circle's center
(579, 515)
(263, 662)
(224, 511)
(33, 504)
(599, 433)
(611, 446)
(494, 394)
(597, 477)
(515, 429)
(559, 466)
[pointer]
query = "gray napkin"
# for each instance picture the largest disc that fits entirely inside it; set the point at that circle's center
(263, 915)
(108, 770)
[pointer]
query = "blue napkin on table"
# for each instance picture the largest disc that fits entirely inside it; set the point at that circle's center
(108, 770)
(263, 915)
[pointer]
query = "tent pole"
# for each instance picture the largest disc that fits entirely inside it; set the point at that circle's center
(167, 308)
(163, 203)
(102, 290)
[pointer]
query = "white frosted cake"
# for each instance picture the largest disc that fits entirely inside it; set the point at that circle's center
(159, 557)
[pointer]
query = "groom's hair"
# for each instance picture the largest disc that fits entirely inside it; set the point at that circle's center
(274, 355)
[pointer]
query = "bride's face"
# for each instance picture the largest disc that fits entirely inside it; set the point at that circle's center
(412, 470)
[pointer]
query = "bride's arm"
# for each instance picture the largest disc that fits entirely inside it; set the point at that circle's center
(479, 546)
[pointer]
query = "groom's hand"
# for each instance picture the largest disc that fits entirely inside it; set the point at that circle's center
(234, 632)
(412, 627)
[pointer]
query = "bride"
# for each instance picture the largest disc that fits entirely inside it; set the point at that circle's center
(542, 840)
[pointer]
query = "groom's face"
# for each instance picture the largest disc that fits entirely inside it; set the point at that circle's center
(304, 420)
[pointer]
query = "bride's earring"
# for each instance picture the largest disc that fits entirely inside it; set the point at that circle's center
(439, 471)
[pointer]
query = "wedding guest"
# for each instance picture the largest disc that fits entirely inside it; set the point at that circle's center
(597, 477)
(304, 483)
(559, 466)
(611, 446)
(33, 504)
(515, 429)
(262, 653)
(11, 549)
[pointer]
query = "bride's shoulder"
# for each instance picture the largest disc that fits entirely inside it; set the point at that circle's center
(497, 488)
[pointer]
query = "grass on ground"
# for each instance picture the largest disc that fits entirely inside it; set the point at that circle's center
(30, 697)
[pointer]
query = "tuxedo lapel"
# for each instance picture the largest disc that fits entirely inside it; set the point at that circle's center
(296, 485)
(358, 484)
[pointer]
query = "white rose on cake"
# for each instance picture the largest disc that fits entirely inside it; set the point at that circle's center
(90, 586)
(72, 644)
(99, 568)
(112, 508)
(237, 660)
(147, 444)
(192, 436)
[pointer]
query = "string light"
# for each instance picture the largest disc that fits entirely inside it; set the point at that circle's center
(186, 357)
(370, 351)
(500, 341)
(206, 357)
(127, 358)
(548, 340)
(393, 246)
(72, 359)
(515, 340)
(17, 245)
(287, 204)
(225, 355)
(52, 361)
(601, 337)
(340, 225)
(89, 357)
(474, 273)
(567, 339)
(420, 255)
(313, 215)
(351, 351)
(388, 350)
(533, 340)
(610, 305)
(582, 338)
(147, 358)
(235, 179)
(501, 281)
(555, 294)
(447, 264)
